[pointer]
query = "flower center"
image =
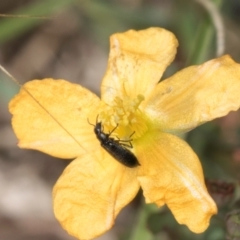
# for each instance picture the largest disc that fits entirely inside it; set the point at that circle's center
(126, 115)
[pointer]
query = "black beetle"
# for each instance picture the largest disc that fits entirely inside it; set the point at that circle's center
(116, 148)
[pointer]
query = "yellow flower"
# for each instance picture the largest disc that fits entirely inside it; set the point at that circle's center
(95, 187)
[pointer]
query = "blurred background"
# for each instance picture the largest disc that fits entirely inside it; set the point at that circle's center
(69, 39)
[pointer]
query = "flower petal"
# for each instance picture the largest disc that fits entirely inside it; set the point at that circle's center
(171, 173)
(196, 95)
(91, 192)
(51, 116)
(137, 61)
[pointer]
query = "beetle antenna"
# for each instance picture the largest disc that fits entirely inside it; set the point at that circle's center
(90, 123)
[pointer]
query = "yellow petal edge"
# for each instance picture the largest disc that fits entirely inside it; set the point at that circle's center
(171, 174)
(195, 95)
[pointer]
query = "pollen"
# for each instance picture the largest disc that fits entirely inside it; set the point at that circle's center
(126, 114)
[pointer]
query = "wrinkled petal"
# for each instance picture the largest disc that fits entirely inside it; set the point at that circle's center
(51, 116)
(90, 193)
(171, 174)
(137, 61)
(196, 95)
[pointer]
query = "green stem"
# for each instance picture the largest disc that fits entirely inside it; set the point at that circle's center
(202, 47)
(140, 231)
(10, 27)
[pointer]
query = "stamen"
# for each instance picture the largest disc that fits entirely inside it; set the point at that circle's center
(126, 114)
